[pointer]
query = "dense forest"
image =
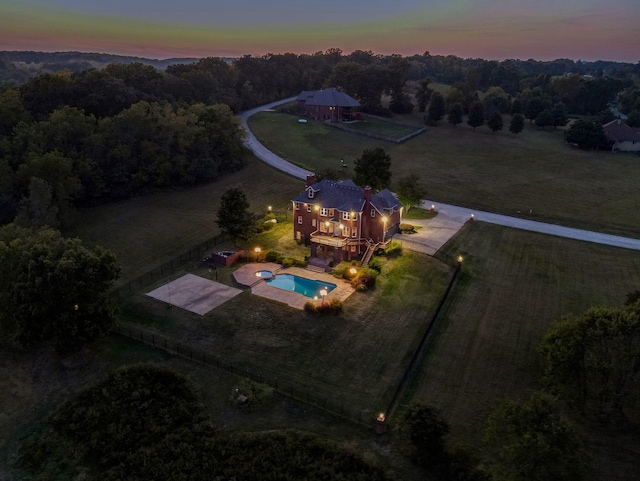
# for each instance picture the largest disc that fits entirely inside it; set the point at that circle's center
(76, 137)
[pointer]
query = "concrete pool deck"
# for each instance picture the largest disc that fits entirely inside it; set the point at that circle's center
(246, 275)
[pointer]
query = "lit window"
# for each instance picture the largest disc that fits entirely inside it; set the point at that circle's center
(298, 235)
(347, 231)
(353, 248)
(313, 222)
(331, 212)
(354, 233)
(299, 219)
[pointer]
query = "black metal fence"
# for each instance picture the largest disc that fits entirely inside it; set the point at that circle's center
(195, 254)
(293, 390)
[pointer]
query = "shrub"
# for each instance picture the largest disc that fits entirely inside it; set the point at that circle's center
(376, 263)
(407, 228)
(291, 261)
(247, 394)
(394, 249)
(329, 308)
(272, 256)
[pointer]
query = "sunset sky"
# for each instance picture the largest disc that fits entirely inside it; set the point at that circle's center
(491, 29)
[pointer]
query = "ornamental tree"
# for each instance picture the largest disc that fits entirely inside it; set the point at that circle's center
(410, 192)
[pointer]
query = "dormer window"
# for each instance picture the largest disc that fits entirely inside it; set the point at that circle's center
(311, 193)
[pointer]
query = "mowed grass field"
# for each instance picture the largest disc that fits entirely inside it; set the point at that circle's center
(146, 232)
(514, 284)
(534, 174)
(356, 358)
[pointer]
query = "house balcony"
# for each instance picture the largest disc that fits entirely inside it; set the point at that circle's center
(329, 239)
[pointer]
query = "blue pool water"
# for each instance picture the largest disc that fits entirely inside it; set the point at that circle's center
(301, 285)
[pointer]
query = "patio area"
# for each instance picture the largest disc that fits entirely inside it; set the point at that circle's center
(246, 275)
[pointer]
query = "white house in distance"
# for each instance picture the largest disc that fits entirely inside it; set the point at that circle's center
(621, 136)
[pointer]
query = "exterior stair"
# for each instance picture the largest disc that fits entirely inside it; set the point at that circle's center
(369, 253)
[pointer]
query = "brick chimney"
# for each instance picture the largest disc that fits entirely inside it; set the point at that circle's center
(311, 179)
(367, 194)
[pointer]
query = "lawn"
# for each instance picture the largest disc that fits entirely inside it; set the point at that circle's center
(356, 358)
(146, 232)
(483, 350)
(535, 174)
(382, 127)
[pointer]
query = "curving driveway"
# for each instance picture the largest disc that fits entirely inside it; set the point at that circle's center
(450, 218)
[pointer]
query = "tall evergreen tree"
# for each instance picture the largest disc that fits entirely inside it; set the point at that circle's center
(234, 219)
(456, 114)
(476, 114)
(373, 169)
(495, 121)
(436, 108)
(517, 123)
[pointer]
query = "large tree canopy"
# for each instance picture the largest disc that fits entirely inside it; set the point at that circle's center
(54, 289)
(586, 135)
(373, 169)
(593, 359)
(531, 441)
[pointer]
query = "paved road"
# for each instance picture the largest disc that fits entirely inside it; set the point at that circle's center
(262, 152)
(450, 218)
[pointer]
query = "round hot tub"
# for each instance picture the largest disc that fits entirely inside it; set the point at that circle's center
(264, 274)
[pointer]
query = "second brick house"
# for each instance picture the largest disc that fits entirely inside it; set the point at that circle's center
(341, 221)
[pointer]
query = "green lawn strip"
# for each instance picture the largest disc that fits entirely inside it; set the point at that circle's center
(355, 359)
(149, 231)
(535, 174)
(513, 285)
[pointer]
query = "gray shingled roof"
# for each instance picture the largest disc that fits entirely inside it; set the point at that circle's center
(345, 196)
(328, 97)
(618, 131)
(384, 200)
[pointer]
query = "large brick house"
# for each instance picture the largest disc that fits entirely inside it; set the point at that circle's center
(328, 104)
(621, 136)
(341, 221)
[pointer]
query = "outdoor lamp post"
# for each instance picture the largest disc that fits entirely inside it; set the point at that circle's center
(323, 293)
(257, 251)
(269, 209)
(384, 227)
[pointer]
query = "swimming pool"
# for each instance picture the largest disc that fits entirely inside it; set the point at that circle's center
(301, 285)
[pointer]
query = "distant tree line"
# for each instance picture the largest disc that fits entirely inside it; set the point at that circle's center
(78, 138)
